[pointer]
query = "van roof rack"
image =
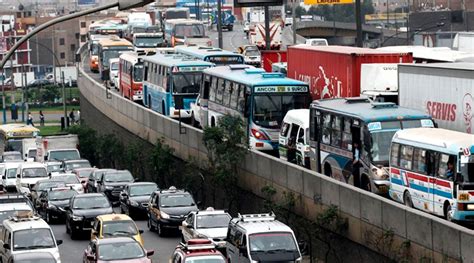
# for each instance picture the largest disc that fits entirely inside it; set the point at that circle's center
(357, 100)
(256, 217)
(22, 216)
(383, 105)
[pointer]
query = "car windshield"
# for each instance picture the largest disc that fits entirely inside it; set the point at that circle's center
(90, 202)
(124, 176)
(64, 155)
(271, 242)
(186, 83)
(252, 53)
(141, 190)
(117, 228)
(57, 195)
(84, 173)
(148, 41)
(34, 238)
(6, 214)
(138, 73)
(213, 221)
(467, 168)
(11, 173)
(269, 110)
(46, 185)
(68, 179)
(78, 164)
(176, 200)
(196, 30)
(205, 259)
(54, 168)
(114, 66)
(12, 157)
(111, 53)
(120, 251)
(34, 173)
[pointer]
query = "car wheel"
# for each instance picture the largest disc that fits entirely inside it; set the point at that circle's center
(161, 231)
(150, 225)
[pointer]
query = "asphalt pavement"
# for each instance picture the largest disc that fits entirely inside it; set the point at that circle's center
(72, 251)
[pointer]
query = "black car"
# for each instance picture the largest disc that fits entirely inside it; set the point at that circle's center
(82, 210)
(134, 198)
(112, 183)
(42, 186)
(54, 203)
(94, 177)
(168, 208)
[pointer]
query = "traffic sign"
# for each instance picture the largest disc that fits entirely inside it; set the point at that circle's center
(327, 2)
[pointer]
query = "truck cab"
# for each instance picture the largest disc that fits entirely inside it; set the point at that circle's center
(27, 176)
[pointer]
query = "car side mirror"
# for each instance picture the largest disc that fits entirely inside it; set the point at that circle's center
(141, 231)
(6, 246)
(59, 242)
(123, 194)
(150, 253)
(45, 157)
(18, 176)
(3, 177)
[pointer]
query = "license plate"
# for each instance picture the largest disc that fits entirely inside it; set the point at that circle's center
(470, 207)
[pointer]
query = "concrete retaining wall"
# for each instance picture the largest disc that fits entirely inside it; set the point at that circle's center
(369, 216)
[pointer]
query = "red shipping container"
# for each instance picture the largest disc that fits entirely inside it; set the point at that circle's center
(334, 71)
(268, 57)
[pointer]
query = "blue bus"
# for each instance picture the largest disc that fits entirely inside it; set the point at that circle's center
(171, 82)
(336, 124)
(211, 54)
(261, 99)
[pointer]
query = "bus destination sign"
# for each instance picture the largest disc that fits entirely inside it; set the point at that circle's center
(276, 89)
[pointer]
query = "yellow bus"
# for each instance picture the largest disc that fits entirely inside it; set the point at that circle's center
(11, 136)
(111, 48)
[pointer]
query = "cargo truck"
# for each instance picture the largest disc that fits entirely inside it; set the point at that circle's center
(379, 81)
(443, 90)
(334, 71)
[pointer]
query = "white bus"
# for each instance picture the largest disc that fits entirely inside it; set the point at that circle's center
(433, 170)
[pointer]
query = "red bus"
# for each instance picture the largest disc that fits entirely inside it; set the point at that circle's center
(131, 76)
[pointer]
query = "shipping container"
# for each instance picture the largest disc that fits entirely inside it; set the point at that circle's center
(443, 90)
(269, 57)
(334, 71)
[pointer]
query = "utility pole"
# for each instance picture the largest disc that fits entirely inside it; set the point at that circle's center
(219, 23)
(54, 52)
(359, 40)
(23, 87)
(293, 15)
(267, 28)
(25, 91)
(64, 96)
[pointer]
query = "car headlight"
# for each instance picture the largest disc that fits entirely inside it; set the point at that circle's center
(108, 187)
(76, 218)
(164, 215)
(134, 203)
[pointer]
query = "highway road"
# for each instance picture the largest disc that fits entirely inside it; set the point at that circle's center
(72, 250)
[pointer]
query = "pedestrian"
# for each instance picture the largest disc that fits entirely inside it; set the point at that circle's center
(41, 118)
(29, 121)
(356, 164)
(72, 117)
(78, 116)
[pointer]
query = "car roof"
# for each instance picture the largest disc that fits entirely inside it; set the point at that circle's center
(32, 165)
(114, 217)
(142, 183)
(299, 116)
(15, 206)
(35, 222)
(76, 160)
(33, 255)
(259, 223)
(115, 240)
(211, 212)
(11, 153)
(89, 195)
(9, 165)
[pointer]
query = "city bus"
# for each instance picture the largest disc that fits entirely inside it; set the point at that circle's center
(94, 51)
(111, 48)
(185, 32)
(433, 170)
(171, 82)
(336, 124)
(261, 99)
(211, 54)
(131, 76)
(11, 136)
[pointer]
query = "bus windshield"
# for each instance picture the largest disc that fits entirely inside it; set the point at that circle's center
(148, 41)
(467, 168)
(94, 49)
(111, 53)
(196, 30)
(138, 73)
(187, 83)
(269, 109)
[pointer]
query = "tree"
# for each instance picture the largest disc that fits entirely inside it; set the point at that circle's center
(162, 163)
(87, 142)
(49, 93)
(227, 146)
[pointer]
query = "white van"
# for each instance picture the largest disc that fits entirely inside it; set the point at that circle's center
(9, 176)
(261, 238)
(27, 233)
(28, 174)
(294, 137)
(316, 42)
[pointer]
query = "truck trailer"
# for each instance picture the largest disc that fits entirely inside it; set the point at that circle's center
(443, 90)
(335, 71)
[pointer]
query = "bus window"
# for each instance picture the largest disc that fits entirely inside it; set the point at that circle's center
(394, 155)
(293, 133)
(406, 154)
(346, 135)
(444, 159)
(326, 134)
(242, 104)
(284, 129)
(336, 131)
(219, 90)
(234, 96)
(226, 96)
(420, 160)
(301, 136)
(207, 84)
(213, 90)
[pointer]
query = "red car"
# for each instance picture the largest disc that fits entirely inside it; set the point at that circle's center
(83, 175)
(197, 250)
(117, 249)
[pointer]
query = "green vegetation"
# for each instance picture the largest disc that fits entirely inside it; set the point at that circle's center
(48, 95)
(50, 130)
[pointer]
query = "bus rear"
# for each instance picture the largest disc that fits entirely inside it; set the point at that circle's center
(111, 48)
(185, 32)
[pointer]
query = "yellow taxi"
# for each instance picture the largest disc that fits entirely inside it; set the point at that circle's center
(115, 225)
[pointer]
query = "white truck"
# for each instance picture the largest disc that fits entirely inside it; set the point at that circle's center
(443, 90)
(40, 148)
(379, 81)
(70, 75)
(464, 41)
(257, 35)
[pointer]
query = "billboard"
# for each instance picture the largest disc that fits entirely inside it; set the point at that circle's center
(251, 3)
(86, 2)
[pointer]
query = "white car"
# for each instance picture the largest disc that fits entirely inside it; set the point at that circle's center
(211, 224)
(246, 27)
(114, 71)
(28, 174)
(9, 176)
(70, 180)
(10, 209)
(27, 233)
(196, 112)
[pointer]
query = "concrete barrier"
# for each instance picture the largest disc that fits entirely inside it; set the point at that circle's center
(369, 216)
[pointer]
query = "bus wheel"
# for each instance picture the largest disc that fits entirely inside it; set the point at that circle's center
(407, 199)
(365, 183)
(448, 211)
(327, 170)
